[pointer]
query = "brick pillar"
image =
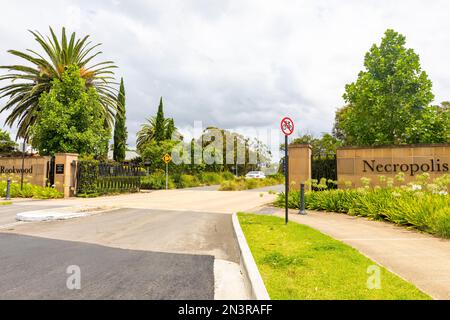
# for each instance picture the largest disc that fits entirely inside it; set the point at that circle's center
(65, 173)
(299, 165)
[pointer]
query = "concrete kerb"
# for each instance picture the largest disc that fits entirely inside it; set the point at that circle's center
(253, 280)
(61, 213)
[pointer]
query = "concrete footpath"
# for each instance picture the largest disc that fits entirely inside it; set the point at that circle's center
(419, 258)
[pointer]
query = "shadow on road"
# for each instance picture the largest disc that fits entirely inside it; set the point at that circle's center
(36, 268)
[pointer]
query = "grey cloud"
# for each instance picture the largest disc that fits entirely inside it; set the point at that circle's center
(238, 64)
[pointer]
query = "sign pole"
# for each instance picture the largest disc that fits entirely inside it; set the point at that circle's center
(166, 159)
(167, 176)
(287, 127)
(23, 164)
(286, 178)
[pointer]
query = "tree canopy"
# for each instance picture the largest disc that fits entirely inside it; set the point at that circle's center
(70, 119)
(389, 98)
(120, 129)
(157, 128)
(326, 145)
(6, 144)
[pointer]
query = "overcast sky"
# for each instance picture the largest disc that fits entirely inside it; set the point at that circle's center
(238, 64)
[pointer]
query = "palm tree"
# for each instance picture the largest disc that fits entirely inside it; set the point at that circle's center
(147, 133)
(29, 82)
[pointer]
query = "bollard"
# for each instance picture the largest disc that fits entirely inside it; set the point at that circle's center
(302, 199)
(8, 189)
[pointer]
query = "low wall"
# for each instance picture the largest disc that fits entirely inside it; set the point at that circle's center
(372, 162)
(35, 169)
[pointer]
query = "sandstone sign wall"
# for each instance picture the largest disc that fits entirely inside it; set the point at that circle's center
(35, 169)
(412, 160)
(299, 165)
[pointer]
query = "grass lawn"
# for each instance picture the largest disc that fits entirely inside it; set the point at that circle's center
(298, 262)
(3, 203)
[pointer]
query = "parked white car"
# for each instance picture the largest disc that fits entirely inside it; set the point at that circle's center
(255, 175)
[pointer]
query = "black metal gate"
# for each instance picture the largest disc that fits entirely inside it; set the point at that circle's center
(51, 172)
(325, 167)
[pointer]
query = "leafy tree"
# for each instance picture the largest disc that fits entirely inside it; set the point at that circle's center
(432, 127)
(70, 119)
(338, 129)
(146, 134)
(170, 128)
(160, 123)
(29, 83)
(326, 145)
(155, 150)
(6, 144)
(388, 96)
(248, 150)
(156, 129)
(120, 130)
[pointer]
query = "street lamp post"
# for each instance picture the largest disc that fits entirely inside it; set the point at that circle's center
(23, 165)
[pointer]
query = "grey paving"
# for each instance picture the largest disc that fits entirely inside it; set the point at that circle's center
(35, 268)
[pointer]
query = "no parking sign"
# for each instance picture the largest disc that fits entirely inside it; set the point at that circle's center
(287, 127)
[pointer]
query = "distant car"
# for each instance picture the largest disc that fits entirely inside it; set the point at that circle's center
(255, 175)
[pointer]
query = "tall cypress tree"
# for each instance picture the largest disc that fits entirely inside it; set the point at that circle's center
(120, 130)
(170, 128)
(160, 123)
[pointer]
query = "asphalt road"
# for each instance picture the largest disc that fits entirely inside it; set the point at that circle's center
(122, 254)
(276, 188)
(36, 268)
(175, 244)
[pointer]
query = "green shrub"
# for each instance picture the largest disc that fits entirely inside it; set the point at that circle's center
(210, 178)
(241, 183)
(87, 179)
(279, 177)
(187, 181)
(427, 209)
(232, 185)
(253, 183)
(156, 181)
(227, 176)
(29, 191)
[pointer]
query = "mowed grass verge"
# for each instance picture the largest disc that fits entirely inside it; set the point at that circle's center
(5, 203)
(300, 263)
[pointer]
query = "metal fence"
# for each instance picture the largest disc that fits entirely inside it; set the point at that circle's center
(325, 167)
(102, 178)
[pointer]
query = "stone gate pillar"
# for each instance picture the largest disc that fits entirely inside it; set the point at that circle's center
(65, 173)
(299, 165)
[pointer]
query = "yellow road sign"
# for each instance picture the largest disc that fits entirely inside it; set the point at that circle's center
(167, 158)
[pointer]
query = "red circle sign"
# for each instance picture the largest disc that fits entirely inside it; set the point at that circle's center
(287, 126)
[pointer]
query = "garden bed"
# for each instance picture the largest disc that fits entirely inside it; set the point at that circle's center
(239, 184)
(424, 206)
(29, 191)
